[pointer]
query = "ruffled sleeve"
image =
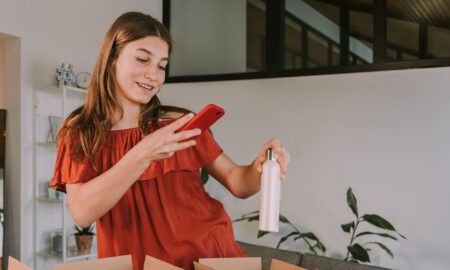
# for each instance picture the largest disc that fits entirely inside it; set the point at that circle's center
(67, 170)
(204, 152)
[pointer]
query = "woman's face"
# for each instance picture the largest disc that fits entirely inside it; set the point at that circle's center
(140, 70)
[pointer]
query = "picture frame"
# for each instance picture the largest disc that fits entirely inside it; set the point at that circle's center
(55, 124)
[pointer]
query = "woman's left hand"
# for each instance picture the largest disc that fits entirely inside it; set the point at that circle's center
(281, 155)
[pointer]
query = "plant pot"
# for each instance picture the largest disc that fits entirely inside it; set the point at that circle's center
(84, 242)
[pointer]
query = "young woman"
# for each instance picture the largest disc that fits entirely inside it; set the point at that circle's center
(124, 166)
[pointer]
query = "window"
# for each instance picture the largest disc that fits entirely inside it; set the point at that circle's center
(233, 39)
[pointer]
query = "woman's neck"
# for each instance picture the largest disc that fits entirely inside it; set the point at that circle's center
(129, 119)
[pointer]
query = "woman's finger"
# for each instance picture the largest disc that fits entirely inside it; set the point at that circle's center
(180, 146)
(259, 162)
(184, 135)
(177, 124)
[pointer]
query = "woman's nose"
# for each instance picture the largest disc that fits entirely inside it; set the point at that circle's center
(151, 72)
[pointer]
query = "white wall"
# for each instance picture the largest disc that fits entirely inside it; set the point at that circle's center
(50, 32)
(385, 134)
(209, 37)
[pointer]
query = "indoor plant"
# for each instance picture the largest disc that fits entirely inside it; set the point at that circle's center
(83, 237)
(357, 252)
(314, 244)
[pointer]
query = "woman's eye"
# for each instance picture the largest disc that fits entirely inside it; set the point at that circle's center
(141, 60)
(162, 68)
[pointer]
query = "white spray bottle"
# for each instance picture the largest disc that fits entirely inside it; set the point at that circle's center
(269, 204)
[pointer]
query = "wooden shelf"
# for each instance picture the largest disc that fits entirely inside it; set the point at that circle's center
(49, 200)
(71, 255)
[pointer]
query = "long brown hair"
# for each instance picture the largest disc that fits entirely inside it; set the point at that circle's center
(86, 127)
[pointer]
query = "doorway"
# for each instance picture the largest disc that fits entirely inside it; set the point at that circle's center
(9, 147)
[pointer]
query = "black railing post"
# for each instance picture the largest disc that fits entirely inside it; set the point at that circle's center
(344, 36)
(275, 10)
(423, 41)
(379, 30)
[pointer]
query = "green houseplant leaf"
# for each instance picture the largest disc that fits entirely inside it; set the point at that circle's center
(286, 237)
(373, 233)
(385, 248)
(378, 221)
(347, 227)
(351, 201)
(284, 219)
(261, 234)
(359, 253)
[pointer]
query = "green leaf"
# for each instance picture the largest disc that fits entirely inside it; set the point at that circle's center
(248, 218)
(321, 247)
(347, 227)
(252, 216)
(359, 253)
(373, 233)
(308, 235)
(286, 237)
(388, 251)
(204, 176)
(351, 201)
(378, 221)
(261, 233)
(251, 213)
(283, 219)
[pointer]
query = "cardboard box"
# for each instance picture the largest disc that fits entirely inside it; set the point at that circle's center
(125, 263)
(243, 263)
(14, 264)
(113, 263)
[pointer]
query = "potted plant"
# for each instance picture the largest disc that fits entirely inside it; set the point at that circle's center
(83, 237)
(357, 250)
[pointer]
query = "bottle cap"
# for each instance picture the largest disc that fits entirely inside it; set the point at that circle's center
(270, 154)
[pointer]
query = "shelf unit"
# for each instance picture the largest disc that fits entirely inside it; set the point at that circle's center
(51, 214)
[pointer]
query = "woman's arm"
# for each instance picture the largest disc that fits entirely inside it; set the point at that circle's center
(91, 200)
(244, 181)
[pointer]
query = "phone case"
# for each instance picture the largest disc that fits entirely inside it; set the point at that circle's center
(205, 118)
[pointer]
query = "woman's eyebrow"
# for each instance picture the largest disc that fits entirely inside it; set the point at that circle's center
(150, 53)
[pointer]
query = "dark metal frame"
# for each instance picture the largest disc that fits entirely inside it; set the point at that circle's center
(275, 14)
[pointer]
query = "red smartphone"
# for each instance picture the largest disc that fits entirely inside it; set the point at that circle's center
(204, 118)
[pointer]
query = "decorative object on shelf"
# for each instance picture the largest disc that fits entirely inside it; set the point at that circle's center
(56, 239)
(83, 238)
(55, 124)
(82, 79)
(66, 75)
(51, 194)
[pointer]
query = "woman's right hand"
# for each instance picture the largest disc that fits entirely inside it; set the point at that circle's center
(164, 142)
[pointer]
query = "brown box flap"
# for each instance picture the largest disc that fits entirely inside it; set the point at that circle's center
(280, 265)
(113, 263)
(14, 264)
(199, 266)
(151, 263)
(241, 263)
